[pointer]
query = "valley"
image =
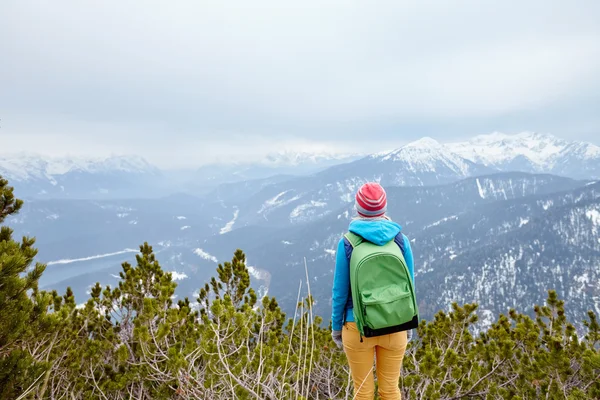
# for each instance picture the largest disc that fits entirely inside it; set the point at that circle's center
(484, 228)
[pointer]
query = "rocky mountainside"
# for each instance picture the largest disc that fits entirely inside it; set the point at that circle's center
(494, 240)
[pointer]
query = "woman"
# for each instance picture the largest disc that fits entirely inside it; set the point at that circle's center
(374, 226)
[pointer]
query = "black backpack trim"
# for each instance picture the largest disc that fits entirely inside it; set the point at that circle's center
(392, 329)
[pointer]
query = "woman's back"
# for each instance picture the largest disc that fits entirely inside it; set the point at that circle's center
(387, 269)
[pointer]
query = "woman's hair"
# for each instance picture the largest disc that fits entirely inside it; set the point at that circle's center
(357, 217)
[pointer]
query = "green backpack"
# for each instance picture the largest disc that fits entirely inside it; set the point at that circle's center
(383, 294)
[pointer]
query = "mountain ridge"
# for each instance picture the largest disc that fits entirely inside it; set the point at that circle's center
(422, 162)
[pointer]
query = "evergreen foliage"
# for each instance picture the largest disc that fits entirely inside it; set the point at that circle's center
(20, 316)
(135, 341)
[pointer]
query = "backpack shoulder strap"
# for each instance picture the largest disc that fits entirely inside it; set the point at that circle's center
(399, 240)
(353, 239)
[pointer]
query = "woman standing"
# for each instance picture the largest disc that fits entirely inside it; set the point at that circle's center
(375, 331)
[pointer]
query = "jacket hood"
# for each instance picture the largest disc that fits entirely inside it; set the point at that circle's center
(377, 231)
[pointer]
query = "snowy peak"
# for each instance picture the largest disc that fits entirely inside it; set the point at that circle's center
(26, 166)
(523, 137)
(131, 164)
(424, 143)
(499, 148)
(419, 150)
(542, 151)
(428, 162)
(36, 176)
(582, 150)
(427, 155)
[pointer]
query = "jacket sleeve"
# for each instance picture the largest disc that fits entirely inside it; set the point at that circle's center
(408, 257)
(341, 287)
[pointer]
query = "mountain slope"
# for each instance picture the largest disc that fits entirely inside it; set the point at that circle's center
(488, 239)
(450, 227)
(303, 199)
(85, 241)
(425, 162)
(531, 248)
(44, 177)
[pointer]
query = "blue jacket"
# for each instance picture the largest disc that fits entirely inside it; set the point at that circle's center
(378, 232)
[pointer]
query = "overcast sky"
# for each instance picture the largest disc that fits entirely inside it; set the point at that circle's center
(185, 83)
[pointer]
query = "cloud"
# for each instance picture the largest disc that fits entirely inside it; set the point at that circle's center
(221, 76)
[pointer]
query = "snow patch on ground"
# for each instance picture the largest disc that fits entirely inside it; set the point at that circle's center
(178, 276)
(277, 201)
(258, 273)
(486, 319)
(436, 223)
(228, 226)
(181, 218)
(287, 243)
(74, 260)
(523, 221)
(594, 216)
(330, 251)
(183, 228)
(122, 215)
(480, 189)
(298, 211)
(53, 217)
(202, 254)
(261, 275)
(344, 214)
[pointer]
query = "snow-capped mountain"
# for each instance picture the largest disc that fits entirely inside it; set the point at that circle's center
(38, 176)
(532, 152)
(331, 177)
(301, 199)
(425, 162)
(479, 234)
(25, 166)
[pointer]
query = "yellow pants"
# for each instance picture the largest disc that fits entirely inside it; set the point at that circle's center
(388, 351)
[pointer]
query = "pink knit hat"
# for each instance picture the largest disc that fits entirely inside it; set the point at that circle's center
(371, 200)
